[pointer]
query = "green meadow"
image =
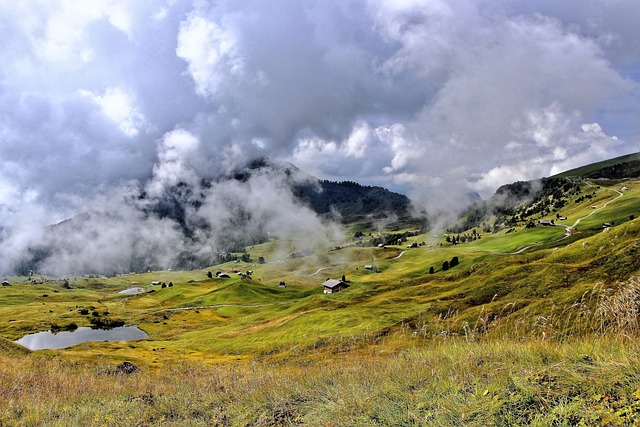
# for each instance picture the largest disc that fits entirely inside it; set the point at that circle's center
(534, 326)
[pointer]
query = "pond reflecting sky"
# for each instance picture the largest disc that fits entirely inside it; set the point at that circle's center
(51, 341)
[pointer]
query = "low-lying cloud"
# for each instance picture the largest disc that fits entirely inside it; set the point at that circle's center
(431, 98)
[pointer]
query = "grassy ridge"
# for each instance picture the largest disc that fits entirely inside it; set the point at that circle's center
(598, 166)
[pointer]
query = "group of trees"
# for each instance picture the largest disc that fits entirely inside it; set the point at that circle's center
(223, 257)
(390, 239)
(586, 197)
(463, 238)
(446, 265)
(352, 201)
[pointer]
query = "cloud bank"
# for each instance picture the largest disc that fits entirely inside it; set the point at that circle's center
(428, 97)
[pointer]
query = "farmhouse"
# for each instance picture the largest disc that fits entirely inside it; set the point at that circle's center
(332, 285)
(546, 222)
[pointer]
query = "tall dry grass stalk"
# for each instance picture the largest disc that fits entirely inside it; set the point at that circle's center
(618, 309)
(600, 311)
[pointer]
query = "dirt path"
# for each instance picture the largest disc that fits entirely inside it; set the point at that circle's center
(319, 270)
(401, 253)
(575, 224)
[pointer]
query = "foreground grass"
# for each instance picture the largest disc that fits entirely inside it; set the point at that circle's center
(446, 382)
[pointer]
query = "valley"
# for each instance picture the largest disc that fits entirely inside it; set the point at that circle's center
(519, 299)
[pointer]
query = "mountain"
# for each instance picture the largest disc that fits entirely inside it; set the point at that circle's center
(347, 200)
(192, 225)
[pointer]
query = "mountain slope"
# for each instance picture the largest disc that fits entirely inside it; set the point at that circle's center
(351, 201)
(623, 167)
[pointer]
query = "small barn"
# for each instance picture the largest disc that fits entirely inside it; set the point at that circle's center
(333, 285)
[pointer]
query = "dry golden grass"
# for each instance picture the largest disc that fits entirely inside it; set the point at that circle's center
(452, 381)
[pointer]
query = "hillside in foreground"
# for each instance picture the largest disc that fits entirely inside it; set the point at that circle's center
(531, 325)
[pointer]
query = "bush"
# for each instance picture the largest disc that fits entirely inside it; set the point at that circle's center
(106, 323)
(445, 266)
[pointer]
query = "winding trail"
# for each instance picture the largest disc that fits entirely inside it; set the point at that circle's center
(319, 270)
(575, 224)
(401, 253)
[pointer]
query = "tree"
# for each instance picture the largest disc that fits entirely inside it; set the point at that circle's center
(344, 279)
(209, 275)
(454, 261)
(445, 266)
(431, 270)
(261, 260)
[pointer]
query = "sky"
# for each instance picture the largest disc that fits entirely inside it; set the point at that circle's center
(431, 98)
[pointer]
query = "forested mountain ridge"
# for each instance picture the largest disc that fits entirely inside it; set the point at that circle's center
(522, 201)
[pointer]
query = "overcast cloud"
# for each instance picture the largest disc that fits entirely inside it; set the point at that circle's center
(428, 97)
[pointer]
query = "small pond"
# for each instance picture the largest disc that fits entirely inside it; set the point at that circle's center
(53, 341)
(132, 291)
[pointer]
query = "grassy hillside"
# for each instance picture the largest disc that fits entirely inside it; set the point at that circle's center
(532, 270)
(534, 325)
(630, 163)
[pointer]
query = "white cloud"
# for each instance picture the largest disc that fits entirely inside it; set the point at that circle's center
(177, 151)
(118, 106)
(210, 51)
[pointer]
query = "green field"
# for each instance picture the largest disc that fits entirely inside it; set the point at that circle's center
(534, 320)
